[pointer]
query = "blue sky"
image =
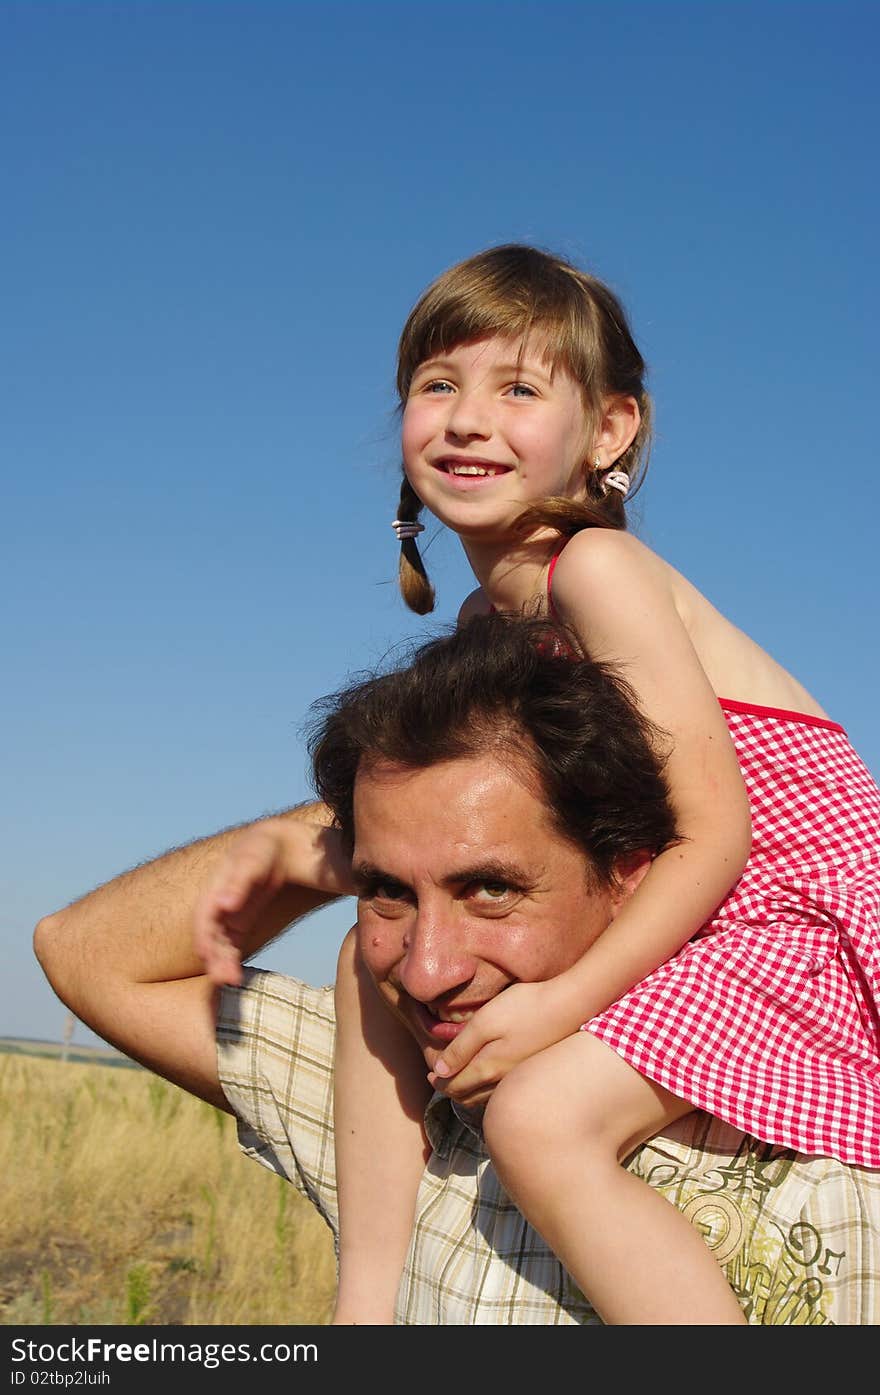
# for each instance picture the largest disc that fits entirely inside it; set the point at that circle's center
(216, 217)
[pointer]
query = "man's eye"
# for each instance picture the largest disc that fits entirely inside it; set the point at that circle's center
(387, 891)
(491, 891)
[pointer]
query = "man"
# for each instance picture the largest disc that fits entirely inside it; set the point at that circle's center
(494, 801)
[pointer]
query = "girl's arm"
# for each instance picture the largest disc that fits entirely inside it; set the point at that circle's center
(617, 596)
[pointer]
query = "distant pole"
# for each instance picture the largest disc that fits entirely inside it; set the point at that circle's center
(67, 1038)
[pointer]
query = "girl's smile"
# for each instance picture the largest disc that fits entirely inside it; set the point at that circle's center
(489, 427)
(466, 472)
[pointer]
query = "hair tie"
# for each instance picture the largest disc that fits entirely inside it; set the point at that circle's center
(616, 479)
(405, 529)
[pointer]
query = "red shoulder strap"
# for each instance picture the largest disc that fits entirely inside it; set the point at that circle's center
(552, 568)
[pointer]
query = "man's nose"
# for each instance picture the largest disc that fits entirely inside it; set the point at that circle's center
(434, 959)
(469, 415)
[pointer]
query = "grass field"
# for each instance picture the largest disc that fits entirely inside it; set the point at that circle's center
(127, 1201)
(53, 1050)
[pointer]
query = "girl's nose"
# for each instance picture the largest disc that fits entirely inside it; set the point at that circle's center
(469, 416)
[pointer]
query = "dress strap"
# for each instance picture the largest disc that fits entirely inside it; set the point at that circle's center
(551, 569)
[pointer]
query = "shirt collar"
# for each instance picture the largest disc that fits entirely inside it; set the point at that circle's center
(441, 1117)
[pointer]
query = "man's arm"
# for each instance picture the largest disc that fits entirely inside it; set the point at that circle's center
(122, 957)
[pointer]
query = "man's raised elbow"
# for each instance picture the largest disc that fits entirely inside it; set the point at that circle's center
(43, 939)
(48, 940)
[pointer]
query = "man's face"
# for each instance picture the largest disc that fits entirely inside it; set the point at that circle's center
(464, 888)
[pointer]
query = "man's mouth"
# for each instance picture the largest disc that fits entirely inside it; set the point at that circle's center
(442, 1024)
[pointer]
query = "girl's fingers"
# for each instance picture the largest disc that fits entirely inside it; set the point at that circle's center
(492, 1026)
(480, 1072)
(457, 1053)
(477, 1096)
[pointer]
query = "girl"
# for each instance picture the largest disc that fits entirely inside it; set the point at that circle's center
(742, 977)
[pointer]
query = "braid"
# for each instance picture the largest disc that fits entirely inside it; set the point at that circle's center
(416, 589)
(602, 508)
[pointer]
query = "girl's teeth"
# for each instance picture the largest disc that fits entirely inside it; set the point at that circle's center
(468, 470)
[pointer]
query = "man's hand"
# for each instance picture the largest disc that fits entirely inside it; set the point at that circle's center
(524, 1019)
(259, 863)
(250, 876)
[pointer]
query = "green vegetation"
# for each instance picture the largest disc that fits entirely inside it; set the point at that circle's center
(128, 1202)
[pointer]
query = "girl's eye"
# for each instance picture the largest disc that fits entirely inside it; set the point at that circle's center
(522, 390)
(438, 387)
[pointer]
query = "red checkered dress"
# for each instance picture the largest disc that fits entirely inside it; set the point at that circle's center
(770, 1017)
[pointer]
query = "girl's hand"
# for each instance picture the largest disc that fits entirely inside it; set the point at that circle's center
(253, 871)
(524, 1019)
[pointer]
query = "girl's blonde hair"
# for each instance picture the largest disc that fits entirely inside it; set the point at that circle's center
(516, 291)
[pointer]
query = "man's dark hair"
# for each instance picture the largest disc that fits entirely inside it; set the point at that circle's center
(518, 689)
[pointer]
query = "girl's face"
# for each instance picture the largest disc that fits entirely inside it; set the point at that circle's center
(488, 429)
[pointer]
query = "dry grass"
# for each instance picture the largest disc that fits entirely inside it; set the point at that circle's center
(126, 1201)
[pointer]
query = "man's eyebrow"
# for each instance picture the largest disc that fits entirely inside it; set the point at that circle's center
(491, 870)
(366, 874)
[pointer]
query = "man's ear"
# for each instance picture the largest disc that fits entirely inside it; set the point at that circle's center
(628, 873)
(620, 422)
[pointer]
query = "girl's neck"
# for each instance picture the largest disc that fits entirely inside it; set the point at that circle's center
(513, 575)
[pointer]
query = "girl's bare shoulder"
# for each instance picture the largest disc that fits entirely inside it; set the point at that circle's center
(606, 557)
(610, 582)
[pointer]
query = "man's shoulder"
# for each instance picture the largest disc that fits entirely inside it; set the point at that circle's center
(272, 1018)
(265, 995)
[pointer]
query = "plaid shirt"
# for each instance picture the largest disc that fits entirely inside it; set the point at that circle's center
(799, 1237)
